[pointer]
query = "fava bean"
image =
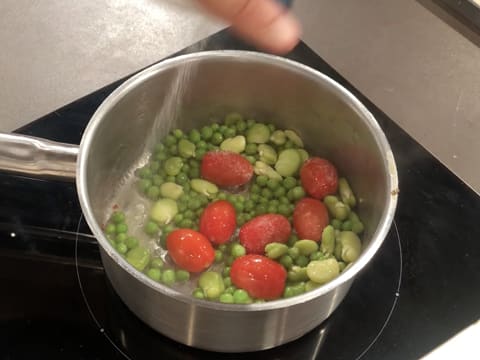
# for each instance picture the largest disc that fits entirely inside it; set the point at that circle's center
(341, 265)
(138, 257)
(171, 190)
(303, 155)
(351, 246)
(327, 245)
(164, 210)
(186, 149)
(173, 165)
(204, 187)
(267, 154)
(288, 162)
(275, 250)
(278, 137)
(346, 193)
(336, 208)
(261, 168)
(294, 138)
(306, 247)
(322, 271)
(258, 134)
(236, 144)
(211, 283)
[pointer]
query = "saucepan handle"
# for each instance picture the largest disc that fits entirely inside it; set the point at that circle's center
(37, 157)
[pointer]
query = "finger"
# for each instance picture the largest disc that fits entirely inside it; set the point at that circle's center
(265, 23)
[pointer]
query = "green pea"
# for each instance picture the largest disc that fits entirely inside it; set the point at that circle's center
(194, 204)
(194, 136)
(211, 283)
(258, 134)
(170, 140)
(267, 154)
(204, 187)
(317, 255)
(233, 118)
(288, 144)
(131, 242)
(306, 247)
(275, 250)
(227, 281)
(145, 173)
(154, 274)
(168, 277)
(173, 166)
(261, 168)
(161, 156)
(240, 296)
(347, 225)
(198, 294)
(206, 133)
(157, 263)
(297, 273)
(351, 246)
(278, 137)
(122, 248)
(186, 223)
(346, 193)
(294, 290)
(230, 132)
(144, 184)
(110, 228)
(226, 298)
(182, 275)
(157, 180)
(294, 138)
(286, 261)
(311, 285)
(237, 250)
(151, 228)
(289, 182)
(298, 192)
(178, 133)
(303, 155)
(327, 244)
(251, 149)
(302, 260)
(121, 228)
(217, 138)
(288, 162)
(336, 208)
(250, 123)
(138, 257)
(283, 209)
(294, 253)
(235, 144)
(159, 147)
(226, 271)
(323, 271)
(118, 217)
(153, 192)
(121, 238)
(164, 210)
(266, 193)
(292, 239)
(337, 224)
(173, 150)
(261, 209)
(273, 184)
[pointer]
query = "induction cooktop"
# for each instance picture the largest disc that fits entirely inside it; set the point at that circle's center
(56, 303)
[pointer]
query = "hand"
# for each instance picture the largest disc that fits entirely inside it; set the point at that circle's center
(264, 23)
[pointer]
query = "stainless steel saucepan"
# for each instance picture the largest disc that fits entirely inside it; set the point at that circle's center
(330, 120)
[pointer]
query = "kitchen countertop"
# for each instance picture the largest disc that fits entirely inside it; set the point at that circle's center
(414, 60)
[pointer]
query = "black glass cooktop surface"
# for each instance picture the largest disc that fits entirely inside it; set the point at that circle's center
(420, 289)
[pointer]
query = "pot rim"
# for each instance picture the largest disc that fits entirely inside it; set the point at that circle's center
(240, 55)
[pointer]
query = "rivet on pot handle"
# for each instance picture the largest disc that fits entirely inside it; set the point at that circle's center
(37, 157)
